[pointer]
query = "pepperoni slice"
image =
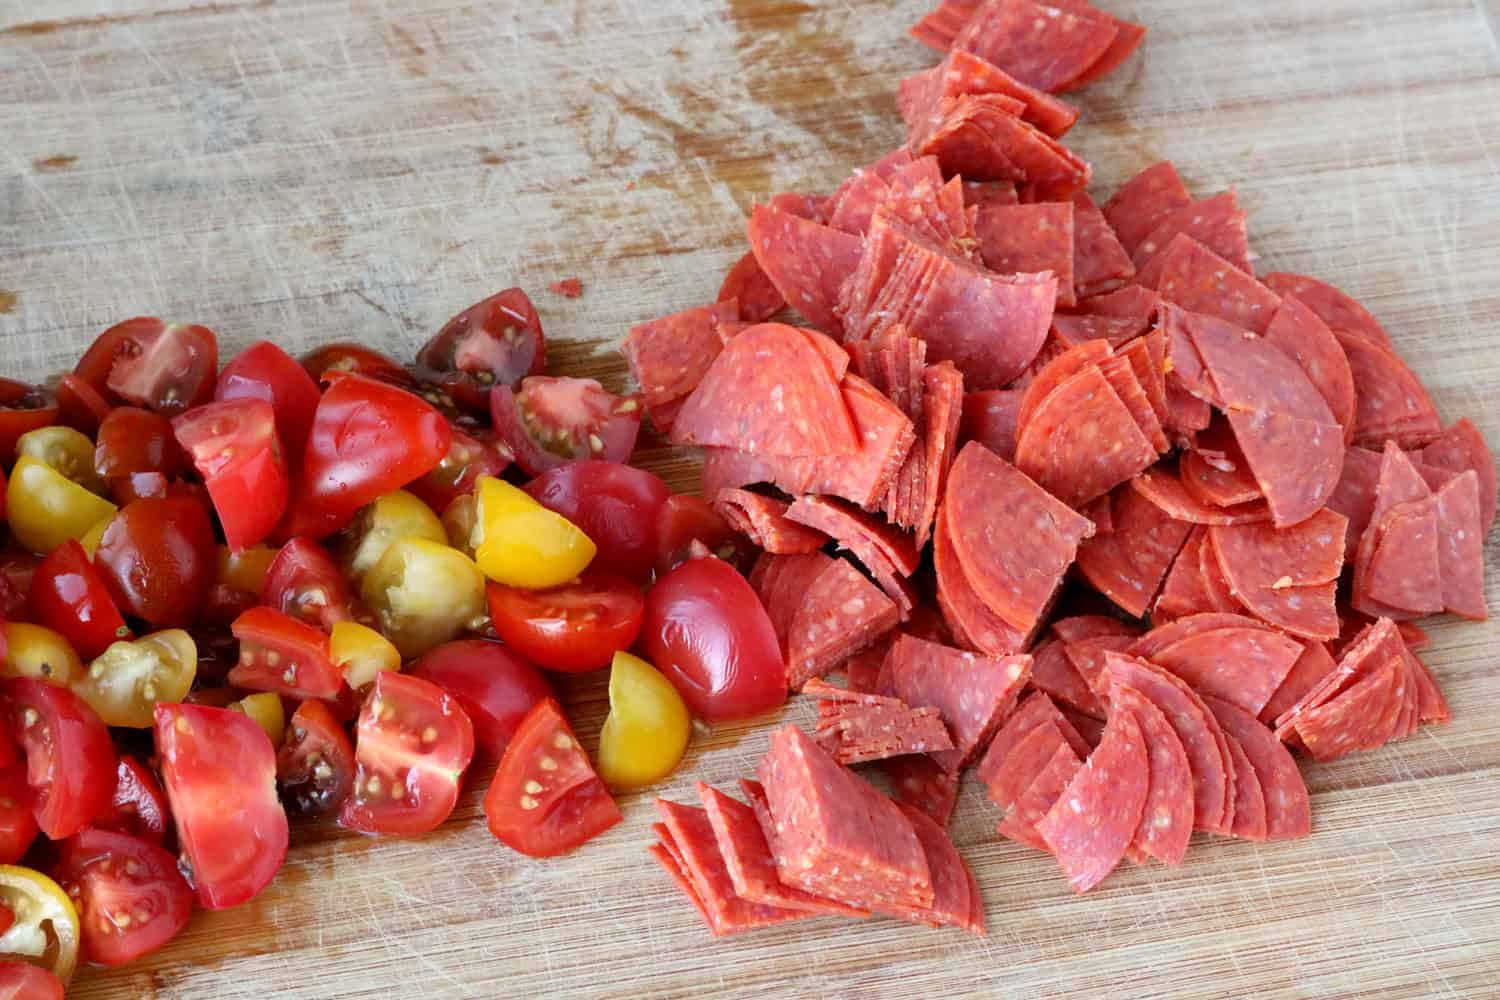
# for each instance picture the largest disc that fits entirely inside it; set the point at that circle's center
(1218, 223)
(960, 73)
(764, 521)
(919, 782)
(1082, 440)
(1020, 824)
(751, 291)
(1024, 760)
(1390, 401)
(1130, 565)
(1288, 813)
(972, 622)
(972, 693)
(1285, 576)
(1029, 238)
(1194, 277)
(1167, 817)
(1144, 201)
(1338, 309)
(977, 137)
(1461, 447)
(1045, 47)
(1095, 819)
(690, 839)
(1244, 666)
(807, 262)
(1298, 332)
(1054, 673)
(990, 417)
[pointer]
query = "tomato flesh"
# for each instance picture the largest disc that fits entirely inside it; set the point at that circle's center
(70, 760)
(21, 981)
(130, 896)
(157, 557)
(617, 506)
(548, 421)
(467, 460)
(69, 596)
(139, 807)
(303, 581)
(166, 367)
(495, 342)
(264, 371)
(278, 653)
(576, 627)
(17, 820)
(686, 519)
(81, 406)
(133, 441)
(494, 687)
(315, 766)
(354, 359)
(23, 408)
(236, 450)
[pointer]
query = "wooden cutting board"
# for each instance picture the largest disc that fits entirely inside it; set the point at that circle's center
(324, 169)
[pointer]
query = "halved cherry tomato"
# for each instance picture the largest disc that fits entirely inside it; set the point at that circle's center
(132, 441)
(388, 519)
(304, 582)
(360, 653)
(578, 626)
(315, 766)
(278, 653)
(547, 421)
(236, 450)
(22, 408)
(356, 360)
(520, 543)
(38, 652)
(157, 558)
(219, 770)
(69, 596)
(247, 569)
(99, 360)
(546, 799)
(164, 367)
(424, 594)
(706, 630)
(412, 744)
(368, 438)
(615, 505)
(66, 450)
(125, 683)
(267, 711)
(686, 519)
(17, 822)
(44, 925)
(264, 371)
(467, 460)
(21, 981)
(494, 342)
(45, 508)
(130, 896)
(494, 687)
(82, 407)
(70, 761)
(139, 807)
(647, 729)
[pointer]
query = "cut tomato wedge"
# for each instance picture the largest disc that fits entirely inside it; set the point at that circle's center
(315, 766)
(617, 506)
(70, 761)
(69, 596)
(495, 342)
(278, 653)
(264, 371)
(23, 408)
(130, 896)
(576, 627)
(166, 367)
(303, 581)
(235, 448)
(139, 807)
(548, 421)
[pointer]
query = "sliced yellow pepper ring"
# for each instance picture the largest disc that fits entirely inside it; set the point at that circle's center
(66, 450)
(128, 680)
(424, 593)
(267, 711)
(388, 519)
(44, 928)
(647, 730)
(39, 652)
(361, 652)
(523, 544)
(46, 508)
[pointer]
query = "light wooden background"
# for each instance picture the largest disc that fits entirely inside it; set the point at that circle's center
(308, 170)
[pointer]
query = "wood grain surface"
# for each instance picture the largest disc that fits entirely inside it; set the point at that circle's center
(308, 170)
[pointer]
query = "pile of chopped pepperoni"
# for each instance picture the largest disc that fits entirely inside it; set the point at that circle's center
(1064, 491)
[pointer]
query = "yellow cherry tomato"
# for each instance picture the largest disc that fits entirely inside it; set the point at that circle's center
(66, 450)
(361, 652)
(388, 519)
(44, 927)
(125, 683)
(460, 521)
(267, 711)
(424, 593)
(46, 508)
(523, 544)
(39, 652)
(91, 538)
(245, 570)
(646, 732)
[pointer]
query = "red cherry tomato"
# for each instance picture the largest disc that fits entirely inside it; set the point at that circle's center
(22, 408)
(548, 421)
(685, 519)
(467, 460)
(20, 981)
(355, 360)
(546, 799)
(303, 581)
(412, 744)
(219, 770)
(70, 761)
(69, 596)
(616, 505)
(315, 766)
(576, 627)
(706, 630)
(17, 819)
(236, 450)
(132, 440)
(264, 371)
(495, 342)
(279, 653)
(494, 687)
(139, 807)
(166, 367)
(130, 896)
(17, 571)
(82, 407)
(157, 558)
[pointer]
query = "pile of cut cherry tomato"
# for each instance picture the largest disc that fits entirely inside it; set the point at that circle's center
(315, 588)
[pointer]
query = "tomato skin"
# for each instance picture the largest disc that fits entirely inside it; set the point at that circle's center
(686, 519)
(17, 820)
(158, 559)
(467, 460)
(264, 371)
(45, 508)
(495, 342)
(166, 367)
(69, 596)
(70, 760)
(110, 875)
(23, 408)
(357, 360)
(236, 450)
(81, 406)
(616, 505)
(573, 628)
(219, 771)
(494, 687)
(139, 806)
(549, 421)
(571, 806)
(648, 726)
(706, 630)
(17, 571)
(281, 654)
(304, 582)
(132, 441)
(315, 766)
(22, 981)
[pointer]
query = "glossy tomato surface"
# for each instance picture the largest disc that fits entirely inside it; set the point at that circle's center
(355, 359)
(617, 506)
(578, 626)
(467, 460)
(132, 440)
(70, 761)
(166, 367)
(131, 898)
(81, 406)
(20, 981)
(281, 654)
(139, 806)
(303, 581)
(494, 686)
(548, 421)
(157, 557)
(264, 371)
(17, 820)
(23, 408)
(69, 596)
(315, 766)
(686, 519)
(495, 342)
(235, 448)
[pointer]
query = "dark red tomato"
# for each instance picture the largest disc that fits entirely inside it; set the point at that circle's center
(578, 626)
(22, 408)
(468, 458)
(69, 596)
(616, 505)
(17, 819)
(411, 746)
(130, 896)
(685, 519)
(166, 367)
(219, 770)
(224, 604)
(495, 342)
(139, 807)
(548, 421)
(235, 448)
(494, 687)
(157, 557)
(303, 581)
(546, 799)
(20, 981)
(355, 360)
(264, 371)
(82, 407)
(17, 570)
(70, 761)
(368, 438)
(214, 697)
(132, 441)
(315, 766)
(279, 653)
(707, 631)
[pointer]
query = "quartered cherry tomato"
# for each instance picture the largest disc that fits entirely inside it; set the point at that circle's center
(44, 927)
(281, 654)
(520, 543)
(17, 821)
(267, 711)
(494, 687)
(219, 770)
(139, 807)
(424, 594)
(685, 519)
(66, 450)
(21, 981)
(128, 680)
(315, 766)
(647, 729)
(360, 653)
(46, 508)
(467, 460)
(82, 407)
(132, 442)
(70, 761)
(494, 342)
(388, 519)
(69, 596)
(235, 448)
(303, 581)
(264, 371)
(706, 630)
(22, 408)
(164, 367)
(411, 746)
(131, 899)
(355, 359)
(546, 799)
(578, 626)
(616, 505)
(38, 652)
(157, 557)
(547, 421)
